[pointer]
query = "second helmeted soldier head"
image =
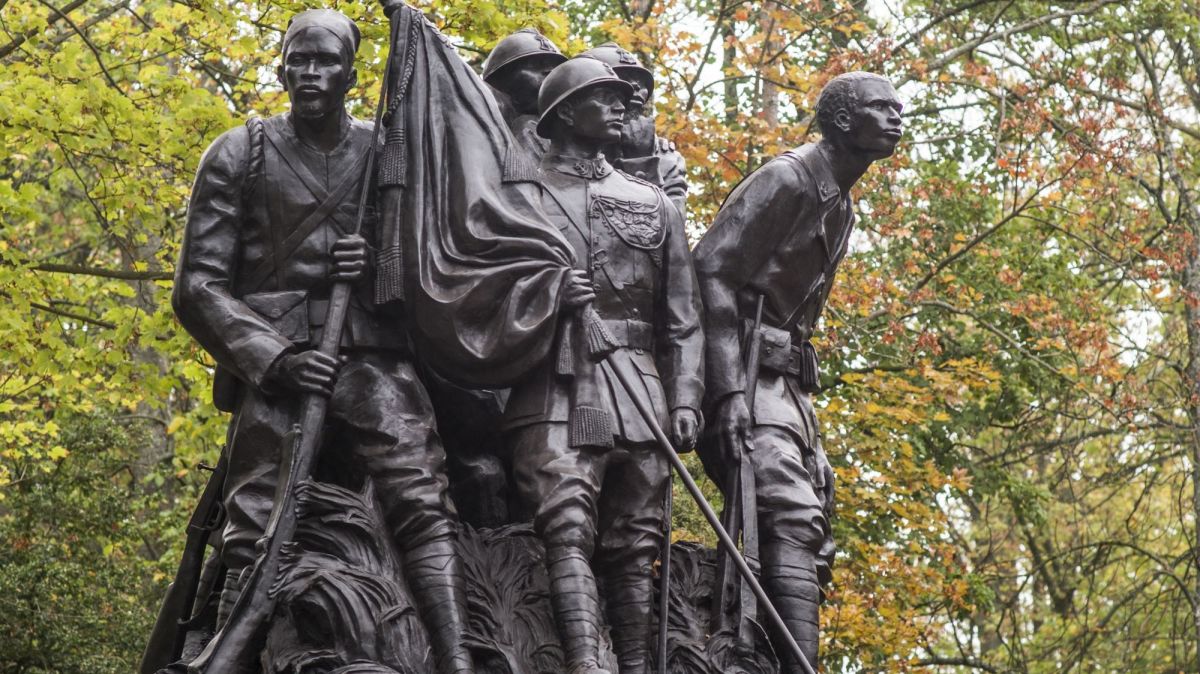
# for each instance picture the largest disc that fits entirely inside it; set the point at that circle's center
(628, 68)
(519, 64)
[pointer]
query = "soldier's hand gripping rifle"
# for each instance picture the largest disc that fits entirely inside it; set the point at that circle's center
(237, 641)
(741, 511)
(618, 365)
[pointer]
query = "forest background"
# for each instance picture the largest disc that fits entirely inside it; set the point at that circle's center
(1011, 354)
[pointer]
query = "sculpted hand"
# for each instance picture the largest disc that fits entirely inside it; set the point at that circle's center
(733, 424)
(307, 372)
(390, 6)
(577, 289)
(638, 137)
(826, 471)
(349, 258)
(684, 429)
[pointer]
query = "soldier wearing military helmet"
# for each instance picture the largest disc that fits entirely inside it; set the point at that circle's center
(598, 502)
(641, 152)
(514, 71)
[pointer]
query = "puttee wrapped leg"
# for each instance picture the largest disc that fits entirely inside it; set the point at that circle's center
(789, 577)
(576, 607)
(435, 575)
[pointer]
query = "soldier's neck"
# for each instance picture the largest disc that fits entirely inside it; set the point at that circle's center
(846, 165)
(323, 133)
(573, 146)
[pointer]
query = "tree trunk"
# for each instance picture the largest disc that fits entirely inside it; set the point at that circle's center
(728, 56)
(769, 93)
(1192, 313)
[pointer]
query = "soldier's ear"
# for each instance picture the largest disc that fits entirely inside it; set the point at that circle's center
(566, 113)
(842, 120)
(280, 76)
(352, 79)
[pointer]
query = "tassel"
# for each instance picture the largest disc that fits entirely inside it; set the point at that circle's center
(518, 168)
(589, 424)
(565, 364)
(393, 161)
(600, 341)
(389, 275)
(590, 427)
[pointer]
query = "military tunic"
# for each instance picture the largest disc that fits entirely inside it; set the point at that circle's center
(631, 240)
(781, 233)
(252, 285)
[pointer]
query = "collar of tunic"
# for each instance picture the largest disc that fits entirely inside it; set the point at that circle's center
(589, 169)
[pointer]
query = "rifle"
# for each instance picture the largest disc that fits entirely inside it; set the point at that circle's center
(741, 510)
(178, 613)
(627, 381)
(235, 644)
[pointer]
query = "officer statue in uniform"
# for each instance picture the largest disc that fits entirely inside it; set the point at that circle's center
(642, 153)
(778, 240)
(598, 503)
(514, 70)
(266, 237)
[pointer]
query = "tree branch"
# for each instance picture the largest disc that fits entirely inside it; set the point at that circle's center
(19, 40)
(1022, 27)
(95, 51)
(121, 274)
(956, 662)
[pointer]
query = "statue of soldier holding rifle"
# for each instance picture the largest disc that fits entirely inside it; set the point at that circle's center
(776, 244)
(270, 245)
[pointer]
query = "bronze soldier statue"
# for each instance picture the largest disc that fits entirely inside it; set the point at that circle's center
(642, 153)
(598, 502)
(514, 70)
(780, 237)
(265, 240)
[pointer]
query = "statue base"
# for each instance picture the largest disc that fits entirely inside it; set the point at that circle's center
(344, 607)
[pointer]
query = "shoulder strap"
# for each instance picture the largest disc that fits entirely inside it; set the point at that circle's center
(799, 161)
(254, 156)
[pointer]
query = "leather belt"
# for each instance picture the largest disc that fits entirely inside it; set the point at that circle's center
(631, 333)
(781, 356)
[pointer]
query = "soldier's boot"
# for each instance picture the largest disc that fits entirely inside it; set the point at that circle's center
(790, 579)
(576, 606)
(630, 597)
(435, 575)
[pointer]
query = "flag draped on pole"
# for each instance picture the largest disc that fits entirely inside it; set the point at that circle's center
(463, 239)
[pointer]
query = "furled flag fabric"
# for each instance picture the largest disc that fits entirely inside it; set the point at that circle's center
(464, 243)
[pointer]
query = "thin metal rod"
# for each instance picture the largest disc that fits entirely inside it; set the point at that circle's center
(705, 508)
(664, 576)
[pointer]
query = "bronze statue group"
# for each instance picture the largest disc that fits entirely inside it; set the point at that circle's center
(520, 236)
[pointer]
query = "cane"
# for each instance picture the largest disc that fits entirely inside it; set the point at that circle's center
(713, 521)
(664, 577)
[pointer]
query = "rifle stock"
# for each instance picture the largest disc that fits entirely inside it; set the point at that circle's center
(170, 628)
(741, 511)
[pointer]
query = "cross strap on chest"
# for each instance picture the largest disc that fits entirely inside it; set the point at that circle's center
(329, 201)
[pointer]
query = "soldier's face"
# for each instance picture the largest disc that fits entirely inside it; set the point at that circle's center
(598, 114)
(523, 83)
(875, 127)
(641, 92)
(316, 73)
